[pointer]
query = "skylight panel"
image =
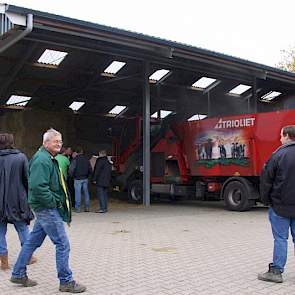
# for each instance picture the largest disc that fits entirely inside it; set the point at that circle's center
(158, 75)
(240, 89)
(117, 110)
(114, 67)
(270, 95)
(52, 57)
(197, 117)
(18, 100)
(163, 114)
(154, 115)
(203, 82)
(76, 105)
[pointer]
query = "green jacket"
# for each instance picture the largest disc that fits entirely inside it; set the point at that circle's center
(46, 186)
(64, 164)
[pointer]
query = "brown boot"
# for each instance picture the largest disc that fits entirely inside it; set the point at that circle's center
(33, 260)
(4, 262)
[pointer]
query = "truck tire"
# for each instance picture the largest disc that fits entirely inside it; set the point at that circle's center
(236, 197)
(135, 191)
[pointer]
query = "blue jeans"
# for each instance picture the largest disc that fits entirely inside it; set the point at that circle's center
(81, 184)
(48, 222)
(22, 230)
(102, 194)
(280, 230)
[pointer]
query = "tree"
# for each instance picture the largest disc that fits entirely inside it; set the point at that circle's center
(288, 61)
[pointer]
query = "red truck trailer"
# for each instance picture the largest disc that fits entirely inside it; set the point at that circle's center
(219, 158)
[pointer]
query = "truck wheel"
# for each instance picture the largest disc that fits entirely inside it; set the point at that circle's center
(135, 191)
(236, 197)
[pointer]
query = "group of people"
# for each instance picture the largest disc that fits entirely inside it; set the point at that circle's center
(77, 171)
(80, 171)
(41, 186)
(39, 189)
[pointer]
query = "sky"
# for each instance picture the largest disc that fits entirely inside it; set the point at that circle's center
(256, 30)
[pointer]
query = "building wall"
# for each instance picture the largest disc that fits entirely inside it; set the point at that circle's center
(28, 127)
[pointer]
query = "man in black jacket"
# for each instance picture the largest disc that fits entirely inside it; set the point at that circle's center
(277, 189)
(102, 178)
(80, 170)
(14, 207)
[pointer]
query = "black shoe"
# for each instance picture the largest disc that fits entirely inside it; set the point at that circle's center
(72, 287)
(86, 210)
(101, 211)
(272, 275)
(24, 281)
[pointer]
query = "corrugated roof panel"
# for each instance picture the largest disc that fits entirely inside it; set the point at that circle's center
(5, 24)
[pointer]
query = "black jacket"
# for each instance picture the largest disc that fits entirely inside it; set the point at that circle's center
(102, 172)
(277, 183)
(14, 187)
(80, 167)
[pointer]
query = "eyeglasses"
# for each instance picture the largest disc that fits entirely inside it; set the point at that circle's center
(57, 141)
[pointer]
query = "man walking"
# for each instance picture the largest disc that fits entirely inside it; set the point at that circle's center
(102, 178)
(48, 198)
(80, 169)
(277, 189)
(14, 207)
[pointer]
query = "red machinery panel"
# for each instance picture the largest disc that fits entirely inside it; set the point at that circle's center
(234, 145)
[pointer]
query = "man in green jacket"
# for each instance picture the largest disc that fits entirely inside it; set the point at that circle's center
(49, 200)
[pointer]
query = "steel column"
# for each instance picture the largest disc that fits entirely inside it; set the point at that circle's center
(254, 95)
(208, 104)
(146, 135)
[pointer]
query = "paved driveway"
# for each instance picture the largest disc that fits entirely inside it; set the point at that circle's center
(187, 248)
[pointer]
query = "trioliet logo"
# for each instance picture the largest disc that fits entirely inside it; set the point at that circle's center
(238, 123)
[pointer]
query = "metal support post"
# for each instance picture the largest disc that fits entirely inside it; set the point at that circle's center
(146, 135)
(254, 95)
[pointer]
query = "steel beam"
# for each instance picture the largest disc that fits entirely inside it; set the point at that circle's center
(14, 72)
(146, 135)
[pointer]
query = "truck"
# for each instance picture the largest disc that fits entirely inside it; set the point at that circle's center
(219, 158)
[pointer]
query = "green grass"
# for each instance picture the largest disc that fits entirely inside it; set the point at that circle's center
(224, 162)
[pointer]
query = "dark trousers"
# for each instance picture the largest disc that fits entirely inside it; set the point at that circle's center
(70, 183)
(102, 194)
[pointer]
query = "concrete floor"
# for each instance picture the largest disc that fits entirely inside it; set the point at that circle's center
(182, 248)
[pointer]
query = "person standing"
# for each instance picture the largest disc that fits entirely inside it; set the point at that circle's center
(80, 169)
(63, 162)
(49, 200)
(277, 189)
(102, 177)
(70, 154)
(14, 207)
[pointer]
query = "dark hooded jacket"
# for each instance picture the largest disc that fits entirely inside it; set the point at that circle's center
(277, 183)
(14, 187)
(102, 172)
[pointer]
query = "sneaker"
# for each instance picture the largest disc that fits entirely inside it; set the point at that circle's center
(77, 210)
(24, 281)
(272, 275)
(86, 210)
(72, 287)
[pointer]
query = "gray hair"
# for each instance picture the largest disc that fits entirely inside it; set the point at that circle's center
(49, 134)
